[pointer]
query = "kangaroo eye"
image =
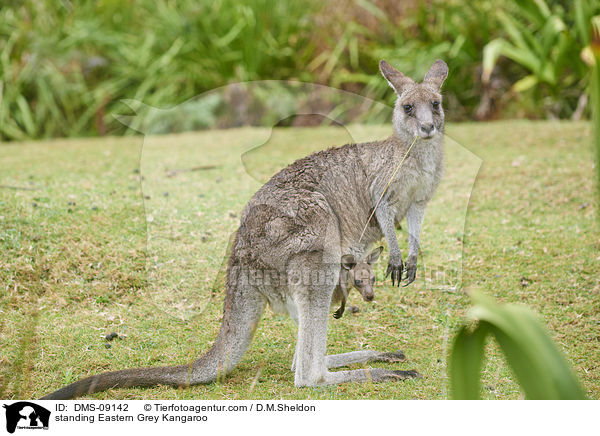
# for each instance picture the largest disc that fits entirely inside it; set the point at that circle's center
(373, 280)
(357, 282)
(408, 108)
(435, 104)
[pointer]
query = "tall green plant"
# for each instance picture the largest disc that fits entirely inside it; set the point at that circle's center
(64, 66)
(545, 41)
(539, 366)
(453, 30)
(593, 51)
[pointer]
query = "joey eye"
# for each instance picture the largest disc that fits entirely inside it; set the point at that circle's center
(435, 104)
(408, 108)
(357, 282)
(372, 279)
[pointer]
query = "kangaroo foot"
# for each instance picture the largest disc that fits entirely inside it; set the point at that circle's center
(383, 375)
(398, 356)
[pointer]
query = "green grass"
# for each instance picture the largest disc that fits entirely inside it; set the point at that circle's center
(109, 240)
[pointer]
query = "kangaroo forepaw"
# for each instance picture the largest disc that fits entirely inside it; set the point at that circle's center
(338, 313)
(396, 271)
(411, 273)
(398, 356)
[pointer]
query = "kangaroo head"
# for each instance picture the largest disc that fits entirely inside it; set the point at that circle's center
(360, 274)
(418, 110)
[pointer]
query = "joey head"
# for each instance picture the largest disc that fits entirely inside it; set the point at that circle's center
(358, 275)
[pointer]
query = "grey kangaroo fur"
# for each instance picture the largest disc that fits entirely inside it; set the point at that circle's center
(357, 275)
(296, 228)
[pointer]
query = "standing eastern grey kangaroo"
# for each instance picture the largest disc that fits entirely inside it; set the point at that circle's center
(293, 232)
(357, 275)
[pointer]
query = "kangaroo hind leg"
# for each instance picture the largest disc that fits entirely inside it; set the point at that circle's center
(244, 306)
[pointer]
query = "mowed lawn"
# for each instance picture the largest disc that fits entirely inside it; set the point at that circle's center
(129, 235)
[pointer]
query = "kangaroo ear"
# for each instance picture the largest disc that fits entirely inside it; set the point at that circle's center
(437, 74)
(348, 261)
(374, 255)
(395, 78)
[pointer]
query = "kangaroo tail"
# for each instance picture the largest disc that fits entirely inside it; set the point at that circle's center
(173, 375)
(241, 313)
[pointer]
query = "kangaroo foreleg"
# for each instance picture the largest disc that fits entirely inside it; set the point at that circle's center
(414, 219)
(385, 217)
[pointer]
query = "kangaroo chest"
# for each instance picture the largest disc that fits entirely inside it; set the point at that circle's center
(416, 183)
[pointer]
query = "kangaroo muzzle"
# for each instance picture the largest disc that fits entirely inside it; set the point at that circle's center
(426, 130)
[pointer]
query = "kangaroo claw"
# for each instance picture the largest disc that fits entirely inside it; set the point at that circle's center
(411, 274)
(396, 271)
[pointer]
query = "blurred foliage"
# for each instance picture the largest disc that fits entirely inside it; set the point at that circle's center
(546, 40)
(594, 61)
(65, 65)
(453, 30)
(540, 368)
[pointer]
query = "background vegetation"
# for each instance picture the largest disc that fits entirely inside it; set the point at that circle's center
(65, 66)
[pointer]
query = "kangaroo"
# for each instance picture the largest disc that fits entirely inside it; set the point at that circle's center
(355, 275)
(293, 231)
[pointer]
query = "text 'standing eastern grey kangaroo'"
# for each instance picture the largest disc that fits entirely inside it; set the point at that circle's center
(296, 228)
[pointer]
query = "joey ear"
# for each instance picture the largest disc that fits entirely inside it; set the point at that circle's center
(348, 261)
(437, 74)
(395, 78)
(374, 255)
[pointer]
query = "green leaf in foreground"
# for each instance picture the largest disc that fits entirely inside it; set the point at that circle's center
(540, 368)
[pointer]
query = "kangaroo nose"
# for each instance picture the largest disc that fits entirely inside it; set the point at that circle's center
(427, 128)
